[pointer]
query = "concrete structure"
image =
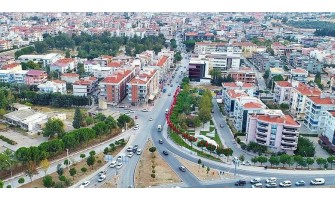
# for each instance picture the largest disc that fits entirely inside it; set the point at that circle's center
(282, 92)
(247, 87)
(316, 112)
(330, 126)
(299, 93)
(224, 60)
(113, 89)
(229, 99)
(53, 86)
(13, 67)
(69, 77)
(273, 129)
(85, 86)
(198, 70)
(243, 107)
(63, 65)
(27, 119)
(276, 71)
(36, 77)
(208, 47)
(143, 87)
(46, 59)
(299, 74)
(245, 75)
(164, 66)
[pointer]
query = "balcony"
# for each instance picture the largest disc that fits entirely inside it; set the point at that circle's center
(261, 141)
(261, 132)
(288, 148)
(286, 130)
(288, 143)
(290, 137)
(262, 127)
(260, 137)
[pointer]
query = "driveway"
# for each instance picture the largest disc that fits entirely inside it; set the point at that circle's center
(21, 139)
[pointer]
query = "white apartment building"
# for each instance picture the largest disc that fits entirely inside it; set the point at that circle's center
(282, 92)
(316, 112)
(299, 93)
(243, 107)
(249, 88)
(229, 99)
(85, 86)
(273, 129)
(53, 86)
(299, 74)
(224, 60)
(90, 65)
(330, 127)
(46, 59)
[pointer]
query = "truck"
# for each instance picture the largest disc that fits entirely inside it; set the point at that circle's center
(159, 127)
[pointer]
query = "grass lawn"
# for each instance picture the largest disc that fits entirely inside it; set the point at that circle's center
(68, 111)
(203, 132)
(3, 127)
(212, 128)
(217, 140)
(178, 140)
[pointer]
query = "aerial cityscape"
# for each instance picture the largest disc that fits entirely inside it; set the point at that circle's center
(167, 100)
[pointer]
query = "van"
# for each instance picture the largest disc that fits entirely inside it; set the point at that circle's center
(318, 181)
(166, 111)
(159, 127)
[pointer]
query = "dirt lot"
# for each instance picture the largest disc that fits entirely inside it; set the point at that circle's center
(79, 176)
(163, 173)
(68, 111)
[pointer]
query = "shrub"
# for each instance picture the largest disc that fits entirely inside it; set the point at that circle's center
(48, 182)
(9, 186)
(21, 180)
(9, 141)
(238, 140)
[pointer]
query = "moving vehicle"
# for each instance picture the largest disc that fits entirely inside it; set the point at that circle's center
(145, 110)
(166, 111)
(257, 185)
(164, 90)
(135, 148)
(102, 178)
(102, 173)
(271, 180)
(150, 119)
(84, 184)
(160, 141)
(169, 94)
(135, 128)
(286, 183)
(240, 183)
(165, 153)
(130, 149)
(318, 181)
(113, 164)
(300, 183)
(255, 180)
(119, 165)
(139, 151)
(271, 185)
(182, 168)
(159, 127)
(130, 154)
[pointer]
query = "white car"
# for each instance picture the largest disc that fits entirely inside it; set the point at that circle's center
(113, 164)
(139, 151)
(130, 149)
(145, 110)
(135, 128)
(85, 184)
(271, 180)
(318, 181)
(257, 185)
(255, 180)
(150, 119)
(102, 173)
(130, 154)
(285, 184)
(102, 178)
(119, 165)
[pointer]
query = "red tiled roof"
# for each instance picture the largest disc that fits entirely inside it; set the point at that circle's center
(308, 91)
(299, 70)
(34, 72)
(325, 101)
(116, 78)
(58, 81)
(70, 75)
(233, 94)
(283, 83)
(10, 66)
(233, 84)
(162, 61)
(114, 64)
(332, 112)
(252, 105)
(286, 119)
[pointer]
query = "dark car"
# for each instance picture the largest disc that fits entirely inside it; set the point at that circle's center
(135, 148)
(182, 168)
(240, 183)
(165, 153)
(160, 141)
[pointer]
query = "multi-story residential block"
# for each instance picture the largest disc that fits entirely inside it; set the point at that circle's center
(46, 59)
(299, 93)
(201, 35)
(63, 65)
(229, 98)
(224, 60)
(243, 107)
(85, 86)
(299, 74)
(328, 136)
(282, 92)
(316, 112)
(249, 88)
(143, 87)
(36, 77)
(208, 47)
(245, 75)
(167, 53)
(13, 67)
(263, 61)
(113, 88)
(275, 71)
(5, 45)
(90, 65)
(164, 65)
(69, 77)
(53, 86)
(273, 129)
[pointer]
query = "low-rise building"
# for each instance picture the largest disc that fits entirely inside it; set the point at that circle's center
(63, 65)
(46, 59)
(198, 70)
(299, 74)
(69, 77)
(13, 67)
(282, 92)
(273, 129)
(85, 86)
(245, 75)
(249, 88)
(53, 86)
(316, 112)
(27, 119)
(36, 77)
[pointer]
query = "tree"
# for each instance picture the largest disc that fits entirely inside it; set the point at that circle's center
(89, 120)
(153, 175)
(67, 162)
(284, 159)
(1, 183)
(266, 74)
(317, 78)
(106, 150)
(241, 158)
(227, 152)
(331, 160)
(321, 161)
(310, 161)
(199, 162)
(53, 127)
(45, 164)
(297, 159)
(92, 153)
(77, 119)
(31, 170)
(67, 54)
(90, 161)
(83, 169)
(152, 150)
(21, 180)
(274, 160)
(82, 156)
(254, 160)
(262, 159)
(290, 161)
(305, 147)
(48, 182)
(207, 170)
(60, 170)
(123, 119)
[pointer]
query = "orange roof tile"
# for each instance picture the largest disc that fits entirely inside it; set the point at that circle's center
(162, 61)
(233, 94)
(114, 64)
(10, 66)
(308, 91)
(117, 77)
(286, 119)
(299, 70)
(325, 101)
(283, 83)
(70, 75)
(252, 105)
(332, 112)
(233, 84)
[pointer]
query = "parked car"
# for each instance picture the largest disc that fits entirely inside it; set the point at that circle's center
(271, 180)
(300, 183)
(255, 180)
(240, 183)
(160, 141)
(221, 125)
(286, 183)
(119, 165)
(130, 149)
(182, 168)
(113, 164)
(246, 163)
(145, 110)
(102, 172)
(102, 178)
(318, 181)
(139, 151)
(165, 153)
(150, 119)
(135, 128)
(135, 148)
(130, 154)
(271, 185)
(257, 185)
(84, 184)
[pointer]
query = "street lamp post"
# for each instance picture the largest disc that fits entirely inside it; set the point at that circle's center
(68, 160)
